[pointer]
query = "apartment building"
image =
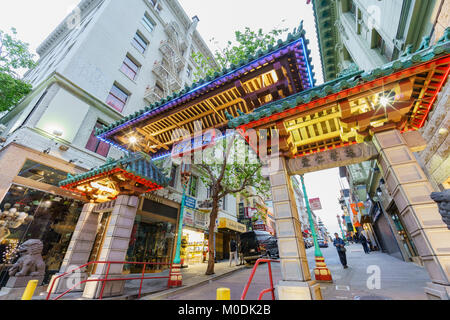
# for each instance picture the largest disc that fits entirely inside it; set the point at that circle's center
(365, 35)
(105, 61)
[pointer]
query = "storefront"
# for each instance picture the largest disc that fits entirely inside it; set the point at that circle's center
(227, 230)
(52, 220)
(153, 235)
(195, 238)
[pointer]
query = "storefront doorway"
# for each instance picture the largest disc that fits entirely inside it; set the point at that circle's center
(196, 246)
(104, 219)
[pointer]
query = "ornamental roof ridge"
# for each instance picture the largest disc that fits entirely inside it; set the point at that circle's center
(135, 163)
(298, 33)
(427, 53)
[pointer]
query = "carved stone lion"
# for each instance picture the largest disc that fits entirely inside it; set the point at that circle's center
(30, 262)
(443, 201)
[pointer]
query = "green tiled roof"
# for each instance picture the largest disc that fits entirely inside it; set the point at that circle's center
(324, 12)
(136, 164)
(424, 54)
(292, 37)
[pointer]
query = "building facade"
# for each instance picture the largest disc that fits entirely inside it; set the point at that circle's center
(366, 35)
(105, 61)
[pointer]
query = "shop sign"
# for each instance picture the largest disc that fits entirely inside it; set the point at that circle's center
(259, 227)
(201, 220)
(225, 223)
(188, 217)
(153, 197)
(250, 212)
(315, 204)
(190, 202)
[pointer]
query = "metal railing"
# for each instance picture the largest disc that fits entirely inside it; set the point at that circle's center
(271, 289)
(105, 279)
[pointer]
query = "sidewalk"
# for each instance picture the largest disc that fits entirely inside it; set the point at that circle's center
(195, 277)
(157, 288)
(398, 280)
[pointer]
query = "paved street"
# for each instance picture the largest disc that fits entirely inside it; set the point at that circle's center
(398, 280)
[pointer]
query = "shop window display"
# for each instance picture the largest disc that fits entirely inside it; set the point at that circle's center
(53, 221)
(151, 241)
(42, 173)
(196, 246)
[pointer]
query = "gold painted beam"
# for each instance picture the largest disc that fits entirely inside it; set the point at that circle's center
(150, 137)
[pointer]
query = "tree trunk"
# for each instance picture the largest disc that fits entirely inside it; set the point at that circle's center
(211, 244)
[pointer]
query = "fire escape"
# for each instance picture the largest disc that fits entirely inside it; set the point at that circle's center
(168, 70)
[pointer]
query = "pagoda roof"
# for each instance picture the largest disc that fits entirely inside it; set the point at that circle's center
(347, 81)
(295, 42)
(135, 168)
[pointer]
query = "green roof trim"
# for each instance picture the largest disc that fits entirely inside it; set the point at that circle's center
(137, 163)
(348, 81)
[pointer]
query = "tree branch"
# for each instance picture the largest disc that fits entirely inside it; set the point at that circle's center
(225, 155)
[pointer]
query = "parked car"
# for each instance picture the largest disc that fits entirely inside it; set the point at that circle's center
(258, 244)
(322, 243)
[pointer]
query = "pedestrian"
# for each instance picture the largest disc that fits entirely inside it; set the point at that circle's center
(241, 253)
(363, 240)
(340, 247)
(233, 251)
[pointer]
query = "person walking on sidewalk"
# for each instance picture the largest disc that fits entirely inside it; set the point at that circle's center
(241, 254)
(363, 240)
(233, 251)
(340, 247)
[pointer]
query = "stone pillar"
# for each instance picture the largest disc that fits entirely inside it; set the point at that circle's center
(78, 252)
(114, 248)
(296, 283)
(409, 187)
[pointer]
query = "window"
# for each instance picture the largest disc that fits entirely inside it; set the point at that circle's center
(130, 68)
(189, 72)
(95, 145)
(209, 192)
(353, 8)
(139, 42)
(42, 173)
(148, 23)
(173, 176)
(193, 186)
(224, 203)
(117, 98)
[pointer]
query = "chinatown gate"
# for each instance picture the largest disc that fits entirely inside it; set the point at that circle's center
(357, 117)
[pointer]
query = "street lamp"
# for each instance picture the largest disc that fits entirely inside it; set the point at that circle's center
(340, 226)
(321, 272)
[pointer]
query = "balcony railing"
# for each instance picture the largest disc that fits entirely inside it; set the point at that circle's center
(154, 94)
(170, 50)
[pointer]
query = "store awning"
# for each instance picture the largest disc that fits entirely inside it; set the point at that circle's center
(225, 223)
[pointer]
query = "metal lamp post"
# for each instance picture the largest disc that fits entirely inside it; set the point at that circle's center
(176, 278)
(342, 230)
(321, 271)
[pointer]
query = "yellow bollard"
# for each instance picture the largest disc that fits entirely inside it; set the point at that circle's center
(29, 290)
(223, 294)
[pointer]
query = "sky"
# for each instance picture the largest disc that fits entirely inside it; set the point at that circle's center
(35, 20)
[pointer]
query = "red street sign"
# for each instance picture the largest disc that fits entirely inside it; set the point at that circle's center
(315, 204)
